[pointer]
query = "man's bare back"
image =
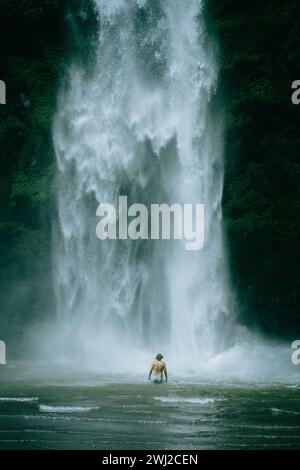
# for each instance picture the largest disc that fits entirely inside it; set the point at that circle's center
(158, 368)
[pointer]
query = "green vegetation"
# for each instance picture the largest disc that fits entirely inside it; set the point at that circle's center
(37, 39)
(31, 38)
(259, 59)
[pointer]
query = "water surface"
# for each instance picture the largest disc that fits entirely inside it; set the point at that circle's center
(119, 412)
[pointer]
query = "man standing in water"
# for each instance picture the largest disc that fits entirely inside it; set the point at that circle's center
(157, 370)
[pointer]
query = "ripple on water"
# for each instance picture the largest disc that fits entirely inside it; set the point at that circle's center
(19, 399)
(66, 409)
(279, 411)
(195, 401)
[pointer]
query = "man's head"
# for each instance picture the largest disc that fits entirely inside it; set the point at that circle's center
(159, 357)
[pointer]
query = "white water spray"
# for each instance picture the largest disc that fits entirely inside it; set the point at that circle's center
(140, 125)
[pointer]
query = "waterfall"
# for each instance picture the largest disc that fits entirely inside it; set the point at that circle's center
(140, 124)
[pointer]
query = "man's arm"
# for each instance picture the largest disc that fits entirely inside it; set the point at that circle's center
(166, 373)
(151, 370)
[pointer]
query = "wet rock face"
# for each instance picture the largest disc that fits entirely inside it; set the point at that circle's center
(25, 101)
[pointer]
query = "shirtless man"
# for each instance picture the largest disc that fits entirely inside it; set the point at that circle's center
(157, 370)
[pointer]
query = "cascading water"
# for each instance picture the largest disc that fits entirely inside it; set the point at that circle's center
(140, 125)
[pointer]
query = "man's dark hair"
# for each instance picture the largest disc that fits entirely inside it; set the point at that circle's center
(159, 356)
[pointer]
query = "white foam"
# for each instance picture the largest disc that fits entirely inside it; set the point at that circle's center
(65, 409)
(19, 399)
(196, 401)
(278, 411)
